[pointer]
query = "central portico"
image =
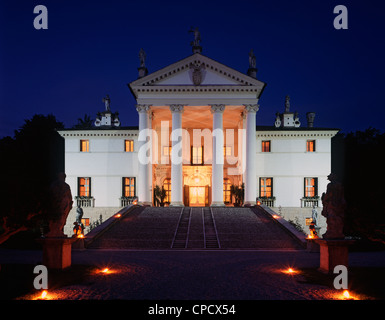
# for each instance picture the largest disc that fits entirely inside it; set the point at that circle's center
(197, 131)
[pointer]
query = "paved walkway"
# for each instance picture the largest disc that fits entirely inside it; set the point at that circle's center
(194, 275)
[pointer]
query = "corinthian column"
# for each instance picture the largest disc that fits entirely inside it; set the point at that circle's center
(144, 160)
(176, 160)
(250, 175)
(218, 157)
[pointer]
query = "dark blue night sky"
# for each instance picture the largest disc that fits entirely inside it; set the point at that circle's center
(91, 49)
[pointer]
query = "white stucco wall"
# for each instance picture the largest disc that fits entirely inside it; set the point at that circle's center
(289, 163)
(106, 163)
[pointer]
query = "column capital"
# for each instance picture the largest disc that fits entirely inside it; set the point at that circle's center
(251, 107)
(143, 107)
(176, 108)
(217, 108)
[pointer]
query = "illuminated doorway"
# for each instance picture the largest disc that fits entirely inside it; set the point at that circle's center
(197, 196)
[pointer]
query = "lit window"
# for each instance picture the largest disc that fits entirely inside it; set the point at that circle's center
(128, 187)
(167, 187)
(266, 187)
(266, 146)
(196, 155)
(311, 186)
(84, 145)
(227, 151)
(167, 151)
(84, 187)
(310, 145)
(129, 145)
(86, 222)
(226, 190)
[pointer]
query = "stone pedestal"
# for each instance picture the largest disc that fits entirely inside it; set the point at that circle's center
(78, 244)
(57, 252)
(312, 246)
(333, 253)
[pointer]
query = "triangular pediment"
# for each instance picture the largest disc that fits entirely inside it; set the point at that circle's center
(197, 70)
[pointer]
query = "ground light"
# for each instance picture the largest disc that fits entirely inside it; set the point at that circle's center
(44, 295)
(118, 215)
(346, 295)
(106, 271)
(290, 271)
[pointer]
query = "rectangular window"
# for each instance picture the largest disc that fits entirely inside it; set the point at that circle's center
(197, 155)
(84, 146)
(310, 145)
(226, 190)
(167, 187)
(129, 187)
(129, 145)
(227, 151)
(167, 151)
(311, 187)
(266, 146)
(266, 187)
(84, 187)
(86, 222)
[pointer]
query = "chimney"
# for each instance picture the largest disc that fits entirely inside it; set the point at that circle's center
(310, 119)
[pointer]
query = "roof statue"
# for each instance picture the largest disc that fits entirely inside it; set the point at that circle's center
(142, 57)
(107, 102)
(252, 60)
(252, 71)
(107, 118)
(142, 69)
(197, 37)
(287, 104)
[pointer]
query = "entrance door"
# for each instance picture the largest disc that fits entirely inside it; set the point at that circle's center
(197, 196)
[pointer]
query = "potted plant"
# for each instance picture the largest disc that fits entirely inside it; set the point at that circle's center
(238, 193)
(160, 194)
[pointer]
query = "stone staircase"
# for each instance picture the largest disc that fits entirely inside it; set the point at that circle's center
(196, 228)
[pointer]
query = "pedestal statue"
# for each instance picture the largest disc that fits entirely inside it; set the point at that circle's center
(334, 205)
(56, 245)
(61, 204)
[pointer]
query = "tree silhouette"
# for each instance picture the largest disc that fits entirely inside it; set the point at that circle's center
(84, 123)
(30, 162)
(363, 179)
